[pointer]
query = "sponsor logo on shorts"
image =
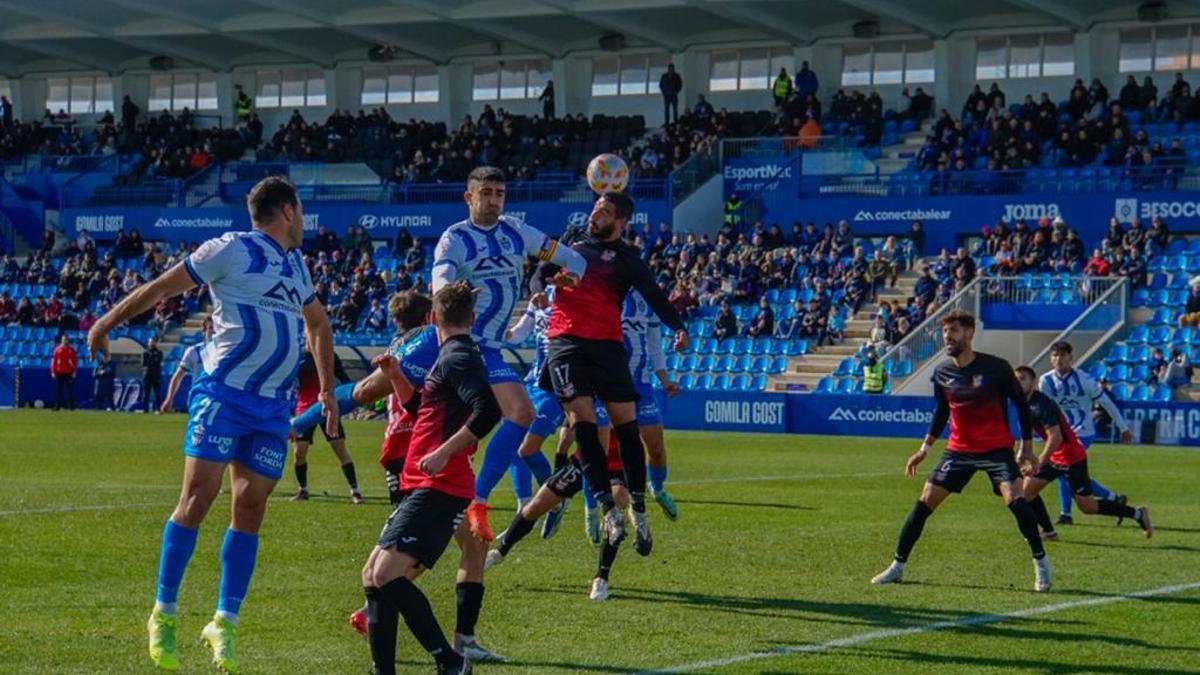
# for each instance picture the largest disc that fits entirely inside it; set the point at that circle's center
(408, 540)
(223, 444)
(270, 457)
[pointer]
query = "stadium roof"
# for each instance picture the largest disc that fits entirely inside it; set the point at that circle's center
(118, 35)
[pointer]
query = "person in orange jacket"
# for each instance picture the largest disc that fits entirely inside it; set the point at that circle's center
(63, 365)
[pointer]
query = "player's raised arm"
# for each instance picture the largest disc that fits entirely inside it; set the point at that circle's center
(525, 324)
(320, 340)
(447, 256)
(548, 250)
(643, 280)
(174, 281)
(658, 358)
(388, 366)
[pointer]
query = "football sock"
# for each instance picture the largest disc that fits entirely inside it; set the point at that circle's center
(1100, 491)
(517, 529)
(521, 477)
(302, 475)
(1041, 514)
(238, 554)
(658, 476)
(1028, 526)
(178, 543)
(540, 466)
(589, 499)
(470, 601)
(595, 463)
(911, 532)
(633, 458)
(1111, 508)
(1065, 498)
(351, 478)
(383, 620)
(419, 618)
(608, 554)
(500, 453)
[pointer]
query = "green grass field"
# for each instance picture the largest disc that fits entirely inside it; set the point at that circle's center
(777, 538)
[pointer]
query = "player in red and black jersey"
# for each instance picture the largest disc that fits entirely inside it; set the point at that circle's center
(586, 358)
(972, 392)
(308, 387)
(454, 409)
(1065, 456)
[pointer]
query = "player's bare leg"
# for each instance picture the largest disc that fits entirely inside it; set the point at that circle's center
(931, 498)
(300, 466)
(518, 414)
(469, 591)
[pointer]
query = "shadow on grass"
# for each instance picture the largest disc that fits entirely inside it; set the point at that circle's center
(753, 505)
(1147, 546)
(970, 663)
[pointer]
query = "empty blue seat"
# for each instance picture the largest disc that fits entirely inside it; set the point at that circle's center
(846, 385)
(1119, 373)
(1159, 335)
(741, 346)
(1140, 373)
(844, 368)
(725, 346)
(777, 365)
(719, 382)
(705, 381)
(1138, 335)
(760, 346)
(688, 381)
(738, 383)
(824, 386)
(1120, 392)
(757, 364)
(706, 346)
(796, 348)
(672, 363)
(759, 383)
(740, 364)
(1160, 393)
(1098, 371)
(1140, 393)
(687, 363)
(705, 364)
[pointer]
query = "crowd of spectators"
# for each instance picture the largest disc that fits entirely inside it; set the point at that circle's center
(1087, 128)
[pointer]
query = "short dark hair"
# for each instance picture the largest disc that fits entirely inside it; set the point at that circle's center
(409, 308)
(1061, 347)
(1027, 372)
(485, 174)
(270, 195)
(454, 304)
(622, 201)
(960, 317)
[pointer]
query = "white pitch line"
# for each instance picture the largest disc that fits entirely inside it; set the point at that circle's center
(809, 476)
(94, 507)
(916, 630)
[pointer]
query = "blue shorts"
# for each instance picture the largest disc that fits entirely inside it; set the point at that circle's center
(548, 413)
(648, 413)
(498, 369)
(1087, 441)
(227, 425)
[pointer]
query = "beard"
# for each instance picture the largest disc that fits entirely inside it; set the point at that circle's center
(953, 349)
(601, 231)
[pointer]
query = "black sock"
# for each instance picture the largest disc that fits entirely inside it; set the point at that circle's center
(911, 532)
(608, 553)
(470, 601)
(517, 529)
(1028, 526)
(383, 620)
(302, 475)
(595, 462)
(1109, 507)
(351, 478)
(633, 458)
(560, 458)
(418, 615)
(1041, 514)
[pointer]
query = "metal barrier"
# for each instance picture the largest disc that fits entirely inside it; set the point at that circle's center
(925, 341)
(1034, 180)
(1048, 289)
(701, 166)
(774, 146)
(1095, 326)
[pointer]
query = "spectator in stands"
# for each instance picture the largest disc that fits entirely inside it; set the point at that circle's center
(6, 112)
(1191, 313)
(1177, 374)
(763, 324)
(874, 376)
(104, 382)
(152, 361)
(1130, 96)
(813, 325)
(878, 339)
(670, 84)
(377, 317)
(682, 299)
(242, 105)
(8, 308)
(414, 260)
(25, 314)
(920, 104)
(963, 266)
(782, 87)
(806, 81)
(702, 109)
(726, 325)
(64, 363)
(835, 327)
(1135, 269)
(547, 99)
(1159, 234)
(1097, 265)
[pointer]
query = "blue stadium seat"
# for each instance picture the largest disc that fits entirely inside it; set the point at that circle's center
(824, 386)
(846, 385)
(687, 381)
(672, 363)
(772, 296)
(1162, 394)
(719, 382)
(1098, 371)
(752, 364)
(741, 346)
(1120, 392)
(796, 348)
(725, 346)
(1162, 317)
(844, 368)
(760, 346)
(1160, 335)
(1157, 280)
(706, 346)
(687, 363)
(1138, 335)
(736, 383)
(1140, 393)
(1138, 354)
(759, 383)
(903, 368)
(1119, 373)
(1179, 282)
(776, 347)
(1193, 245)
(705, 381)
(1140, 373)
(777, 365)
(705, 364)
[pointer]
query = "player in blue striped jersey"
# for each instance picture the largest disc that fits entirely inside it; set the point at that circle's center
(264, 306)
(192, 363)
(488, 250)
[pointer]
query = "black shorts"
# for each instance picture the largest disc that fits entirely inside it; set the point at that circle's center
(581, 367)
(954, 469)
(307, 437)
(568, 480)
(1076, 475)
(423, 524)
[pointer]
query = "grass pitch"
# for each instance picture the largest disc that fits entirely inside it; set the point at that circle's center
(777, 538)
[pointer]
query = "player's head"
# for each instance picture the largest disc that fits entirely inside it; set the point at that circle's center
(275, 208)
(1027, 378)
(409, 309)
(207, 327)
(958, 329)
(1062, 356)
(65, 340)
(454, 307)
(610, 215)
(485, 195)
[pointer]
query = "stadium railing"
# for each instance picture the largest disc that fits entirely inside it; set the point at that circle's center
(982, 182)
(695, 172)
(1096, 326)
(925, 341)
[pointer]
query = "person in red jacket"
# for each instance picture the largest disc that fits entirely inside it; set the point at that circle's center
(63, 365)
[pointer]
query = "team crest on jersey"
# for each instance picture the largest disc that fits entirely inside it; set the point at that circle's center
(977, 381)
(608, 256)
(197, 434)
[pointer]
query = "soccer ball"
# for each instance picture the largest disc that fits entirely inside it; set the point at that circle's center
(607, 173)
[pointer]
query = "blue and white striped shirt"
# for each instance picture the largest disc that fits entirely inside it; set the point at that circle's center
(643, 338)
(259, 292)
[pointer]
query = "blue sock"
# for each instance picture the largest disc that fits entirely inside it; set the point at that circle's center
(1064, 496)
(521, 479)
(658, 476)
(315, 415)
(238, 553)
(500, 453)
(1100, 491)
(540, 466)
(178, 542)
(589, 499)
